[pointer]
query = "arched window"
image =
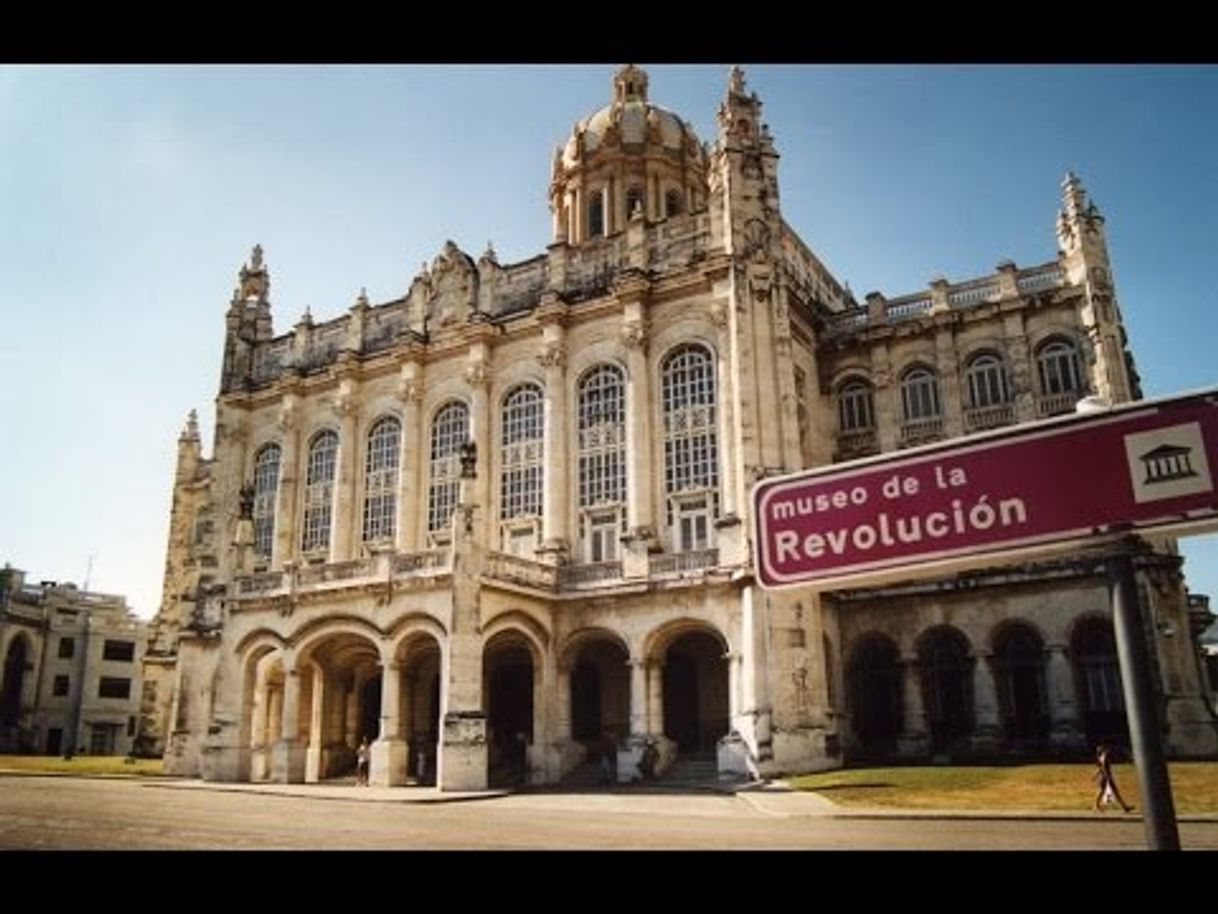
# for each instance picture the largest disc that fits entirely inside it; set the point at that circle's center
(381, 480)
(522, 440)
(873, 682)
(987, 381)
(947, 685)
(602, 437)
(919, 394)
(319, 492)
(1057, 368)
(596, 215)
(1019, 662)
(449, 430)
(691, 451)
(602, 459)
(634, 198)
(672, 203)
(855, 406)
(1098, 678)
(266, 487)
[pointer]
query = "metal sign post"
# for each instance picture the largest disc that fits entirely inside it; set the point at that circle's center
(1159, 812)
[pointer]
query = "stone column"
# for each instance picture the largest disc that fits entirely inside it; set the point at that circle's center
(478, 376)
(638, 697)
(913, 739)
(655, 698)
(578, 217)
(315, 751)
(1064, 720)
(285, 500)
(554, 533)
(346, 514)
(388, 763)
(986, 730)
(948, 369)
(734, 660)
(414, 454)
(640, 517)
(725, 408)
(562, 690)
(288, 766)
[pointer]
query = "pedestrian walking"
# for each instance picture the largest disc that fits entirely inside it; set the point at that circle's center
(1106, 788)
(361, 763)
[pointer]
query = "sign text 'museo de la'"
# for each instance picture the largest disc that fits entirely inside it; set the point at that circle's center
(1140, 466)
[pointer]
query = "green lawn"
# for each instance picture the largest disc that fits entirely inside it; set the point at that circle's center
(82, 764)
(1023, 787)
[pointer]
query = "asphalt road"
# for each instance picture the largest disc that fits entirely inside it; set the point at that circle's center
(84, 813)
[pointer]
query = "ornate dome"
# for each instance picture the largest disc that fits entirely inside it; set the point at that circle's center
(628, 154)
(630, 121)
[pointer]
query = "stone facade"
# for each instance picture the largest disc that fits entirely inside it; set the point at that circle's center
(500, 524)
(72, 669)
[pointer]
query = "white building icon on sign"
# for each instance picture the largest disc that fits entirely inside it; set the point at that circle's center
(1167, 463)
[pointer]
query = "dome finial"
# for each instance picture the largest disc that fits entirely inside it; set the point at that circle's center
(630, 84)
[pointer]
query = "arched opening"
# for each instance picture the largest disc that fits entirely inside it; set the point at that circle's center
(695, 692)
(1098, 677)
(508, 698)
(1019, 661)
(340, 702)
(420, 704)
(947, 686)
(14, 677)
(600, 695)
(874, 676)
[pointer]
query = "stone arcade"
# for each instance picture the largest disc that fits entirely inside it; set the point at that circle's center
(346, 564)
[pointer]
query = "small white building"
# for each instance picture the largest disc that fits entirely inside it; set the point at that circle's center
(72, 678)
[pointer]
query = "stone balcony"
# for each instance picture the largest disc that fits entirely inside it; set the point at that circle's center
(980, 418)
(498, 568)
(1057, 404)
(921, 431)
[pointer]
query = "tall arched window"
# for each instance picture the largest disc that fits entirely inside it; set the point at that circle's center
(691, 451)
(381, 480)
(1019, 661)
(855, 406)
(919, 394)
(522, 456)
(672, 203)
(596, 214)
(873, 682)
(602, 459)
(319, 492)
(266, 487)
(1098, 677)
(987, 381)
(634, 200)
(602, 437)
(449, 430)
(1057, 367)
(947, 685)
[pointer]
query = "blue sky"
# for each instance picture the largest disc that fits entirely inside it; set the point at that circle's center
(129, 197)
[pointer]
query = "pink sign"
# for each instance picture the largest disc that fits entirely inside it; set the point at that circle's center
(1144, 465)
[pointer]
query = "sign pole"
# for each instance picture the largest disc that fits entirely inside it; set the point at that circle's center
(1159, 812)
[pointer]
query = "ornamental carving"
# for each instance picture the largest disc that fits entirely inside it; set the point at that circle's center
(633, 335)
(552, 355)
(477, 374)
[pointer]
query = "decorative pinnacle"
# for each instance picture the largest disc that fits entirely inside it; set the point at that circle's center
(191, 431)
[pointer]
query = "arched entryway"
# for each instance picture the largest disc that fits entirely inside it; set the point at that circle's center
(947, 686)
(340, 700)
(600, 696)
(874, 676)
(1019, 667)
(695, 683)
(419, 656)
(1098, 677)
(508, 695)
(15, 660)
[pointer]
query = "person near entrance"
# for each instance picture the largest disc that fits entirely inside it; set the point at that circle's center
(362, 755)
(1107, 790)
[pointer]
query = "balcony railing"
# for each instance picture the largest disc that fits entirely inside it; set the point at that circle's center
(1055, 404)
(921, 430)
(589, 573)
(857, 443)
(979, 418)
(676, 562)
(260, 583)
(336, 571)
(409, 562)
(517, 570)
